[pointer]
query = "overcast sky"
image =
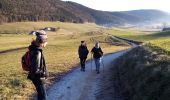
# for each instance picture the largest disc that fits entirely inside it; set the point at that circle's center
(124, 5)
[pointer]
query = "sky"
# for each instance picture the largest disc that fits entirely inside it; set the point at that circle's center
(125, 5)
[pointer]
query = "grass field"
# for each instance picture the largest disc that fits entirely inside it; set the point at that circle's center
(158, 40)
(61, 52)
(10, 40)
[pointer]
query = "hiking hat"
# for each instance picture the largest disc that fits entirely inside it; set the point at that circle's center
(82, 41)
(41, 36)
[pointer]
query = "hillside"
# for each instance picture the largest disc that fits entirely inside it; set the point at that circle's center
(143, 74)
(56, 10)
(150, 15)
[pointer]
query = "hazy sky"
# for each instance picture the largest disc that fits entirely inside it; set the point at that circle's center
(123, 5)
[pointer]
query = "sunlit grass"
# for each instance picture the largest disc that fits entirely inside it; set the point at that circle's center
(60, 53)
(159, 39)
(25, 27)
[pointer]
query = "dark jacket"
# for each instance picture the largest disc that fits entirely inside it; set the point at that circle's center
(83, 51)
(38, 66)
(97, 52)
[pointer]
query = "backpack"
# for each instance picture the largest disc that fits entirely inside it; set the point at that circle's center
(26, 61)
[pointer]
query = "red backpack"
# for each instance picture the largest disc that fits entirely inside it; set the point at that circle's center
(26, 61)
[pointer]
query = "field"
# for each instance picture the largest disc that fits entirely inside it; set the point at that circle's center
(157, 40)
(61, 52)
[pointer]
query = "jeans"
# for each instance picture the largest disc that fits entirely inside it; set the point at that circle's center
(82, 61)
(40, 88)
(97, 63)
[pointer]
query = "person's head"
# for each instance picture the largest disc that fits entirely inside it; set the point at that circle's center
(83, 43)
(41, 38)
(97, 45)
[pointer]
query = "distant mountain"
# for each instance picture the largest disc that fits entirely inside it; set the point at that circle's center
(150, 15)
(56, 10)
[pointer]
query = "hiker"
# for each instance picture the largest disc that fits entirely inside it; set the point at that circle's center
(97, 54)
(38, 67)
(83, 52)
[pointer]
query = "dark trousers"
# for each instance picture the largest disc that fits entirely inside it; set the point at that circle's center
(40, 88)
(82, 61)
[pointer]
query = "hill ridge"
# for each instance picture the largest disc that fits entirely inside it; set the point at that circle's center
(67, 11)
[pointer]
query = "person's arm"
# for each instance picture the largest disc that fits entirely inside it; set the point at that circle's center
(87, 50)
(101, 52)
(35, 61)
(79, 51)
(92, 51)
(46, 74)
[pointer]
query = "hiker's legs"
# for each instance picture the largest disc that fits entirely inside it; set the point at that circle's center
(97, 63)
(82, 61)
(40, 88)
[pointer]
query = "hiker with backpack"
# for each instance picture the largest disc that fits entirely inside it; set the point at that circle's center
(83, 52)
(37, 70)
(97, 54)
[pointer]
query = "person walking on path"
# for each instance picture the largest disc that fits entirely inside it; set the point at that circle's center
(38, 69)
(83, 52)
(97, 54)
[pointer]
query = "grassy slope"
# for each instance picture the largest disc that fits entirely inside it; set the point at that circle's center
(143, 73)
(159, 39)
(14, 41)
(60, 54)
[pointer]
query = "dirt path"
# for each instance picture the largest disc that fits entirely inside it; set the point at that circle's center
(87, 85)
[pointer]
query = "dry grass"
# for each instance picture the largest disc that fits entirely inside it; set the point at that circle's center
(143, 75)
(61, 53)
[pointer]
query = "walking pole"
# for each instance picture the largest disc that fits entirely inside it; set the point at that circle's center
(91, 62)
(103, 64)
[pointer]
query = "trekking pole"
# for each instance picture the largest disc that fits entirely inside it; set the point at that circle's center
(91, 62)
(103, 64)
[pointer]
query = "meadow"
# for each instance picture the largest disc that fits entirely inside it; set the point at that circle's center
(60, 54)
(158, 41)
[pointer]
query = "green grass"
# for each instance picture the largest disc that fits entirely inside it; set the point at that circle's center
(60, 54)
(129, 34)
(159, 39)
(162, 40)
(138, 35)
